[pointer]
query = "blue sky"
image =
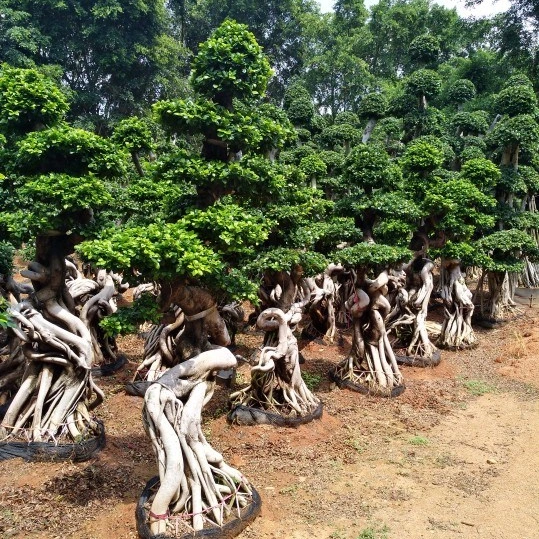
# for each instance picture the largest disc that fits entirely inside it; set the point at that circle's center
(487, 7)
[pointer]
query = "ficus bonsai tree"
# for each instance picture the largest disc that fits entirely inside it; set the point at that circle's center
(371, 366)
(55, 180)
(225, 200)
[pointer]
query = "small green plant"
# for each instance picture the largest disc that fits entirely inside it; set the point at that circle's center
(378, 532)
(418, 440)
(292, 489)
(357, 445)
(312, 381)
(126, 320)
(5, 320)
(478, 387)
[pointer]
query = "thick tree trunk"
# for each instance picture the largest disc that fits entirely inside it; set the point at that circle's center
(192, 325)
(410, 326)
(500, 304)
(276, 383)
(323, 291)
(368, 131)
(197, 488)
(54, 397)
(457, 329)
(371, 366)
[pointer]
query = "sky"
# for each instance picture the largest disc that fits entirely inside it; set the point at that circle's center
(486, 8)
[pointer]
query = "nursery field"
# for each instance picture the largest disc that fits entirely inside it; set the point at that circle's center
(454, 456)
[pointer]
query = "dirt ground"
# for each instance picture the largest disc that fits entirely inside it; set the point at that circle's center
(454, 456)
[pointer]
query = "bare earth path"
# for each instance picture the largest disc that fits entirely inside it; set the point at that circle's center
(456, 456)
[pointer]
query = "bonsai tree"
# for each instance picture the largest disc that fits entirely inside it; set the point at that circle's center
(55, 183)
(371, 366)
(461, 91)
(198, 251)
(516, 133)
(372, 108)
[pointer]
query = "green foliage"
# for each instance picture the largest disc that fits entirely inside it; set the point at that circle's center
(238, 285)
(371, 255)
(62, 202)
(126, 320)
(334, 161)
(283, 259)
(423, 82)
(511, 181)
(459, 208)
(373, 105)
(470, 123)
(483, 173)
(347, 117)
(421, 156)
(248, 128)
(312, 166)
(521, 129)
(295, 92)
(157, 251)
(518, 79)
(424, 49)
(505, 249)
(369, 167)
(465, 252)
(460, 91)
(71, 151)
(114, 57)
(300, 111)
(338, 135)
(324, 236)
(28, 100)
(5, 319)
(133, 134)
(230, 229)
(515, 100)
(6, 258)
(312, 380)
(230, 64)
(430, 121)
(530, 176)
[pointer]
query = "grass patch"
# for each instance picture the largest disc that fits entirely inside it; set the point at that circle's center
(312, 381)
(418, 440)
(378, 532)
(478, 387)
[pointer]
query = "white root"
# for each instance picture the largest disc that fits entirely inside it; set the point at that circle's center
(411, 308)
(457, 331)
(371, 363)
(193, 476)
(54, 394)
(276, 381)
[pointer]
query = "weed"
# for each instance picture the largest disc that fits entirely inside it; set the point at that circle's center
(357, 445)
(292, 489)
(312, 381)
(374, 533)
(240, 380)
(418, 440)
(478, 387)
(337, 535)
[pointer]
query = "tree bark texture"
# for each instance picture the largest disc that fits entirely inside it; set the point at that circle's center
(56, 393)
(371, 365)
(276, 382)
(457, 331)
(197, 488)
